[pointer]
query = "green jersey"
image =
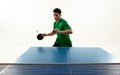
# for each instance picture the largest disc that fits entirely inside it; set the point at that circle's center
(62, 39)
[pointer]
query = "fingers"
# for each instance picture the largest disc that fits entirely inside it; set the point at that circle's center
(56, 30)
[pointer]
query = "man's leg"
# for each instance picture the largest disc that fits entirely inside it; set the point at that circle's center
(56, 45)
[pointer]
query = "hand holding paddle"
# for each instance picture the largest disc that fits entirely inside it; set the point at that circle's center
(40, 36)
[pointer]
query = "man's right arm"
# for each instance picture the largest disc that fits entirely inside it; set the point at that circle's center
(49, 34)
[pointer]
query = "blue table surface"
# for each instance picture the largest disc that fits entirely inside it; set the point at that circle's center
(63, 61)
(66, 55)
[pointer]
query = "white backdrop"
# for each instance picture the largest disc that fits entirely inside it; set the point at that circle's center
(94, 23)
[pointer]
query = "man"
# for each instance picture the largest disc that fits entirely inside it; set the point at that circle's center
(62, 29)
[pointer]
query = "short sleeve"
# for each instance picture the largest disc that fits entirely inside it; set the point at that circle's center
(53, 27)
(67, 26)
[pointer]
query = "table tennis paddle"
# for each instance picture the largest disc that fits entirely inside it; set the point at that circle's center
(40, 36)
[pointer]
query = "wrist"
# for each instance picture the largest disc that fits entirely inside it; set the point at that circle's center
(60, 32)
(44, 35)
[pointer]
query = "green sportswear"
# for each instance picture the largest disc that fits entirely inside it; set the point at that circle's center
(62, 39)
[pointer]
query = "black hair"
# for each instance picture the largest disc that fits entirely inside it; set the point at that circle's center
(57, 10)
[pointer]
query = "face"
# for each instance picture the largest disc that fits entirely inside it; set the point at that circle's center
(57, 16)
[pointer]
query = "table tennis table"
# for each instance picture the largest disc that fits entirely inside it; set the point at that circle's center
(63, 61)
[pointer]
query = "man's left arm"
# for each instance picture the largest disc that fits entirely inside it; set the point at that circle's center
(68, 31)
